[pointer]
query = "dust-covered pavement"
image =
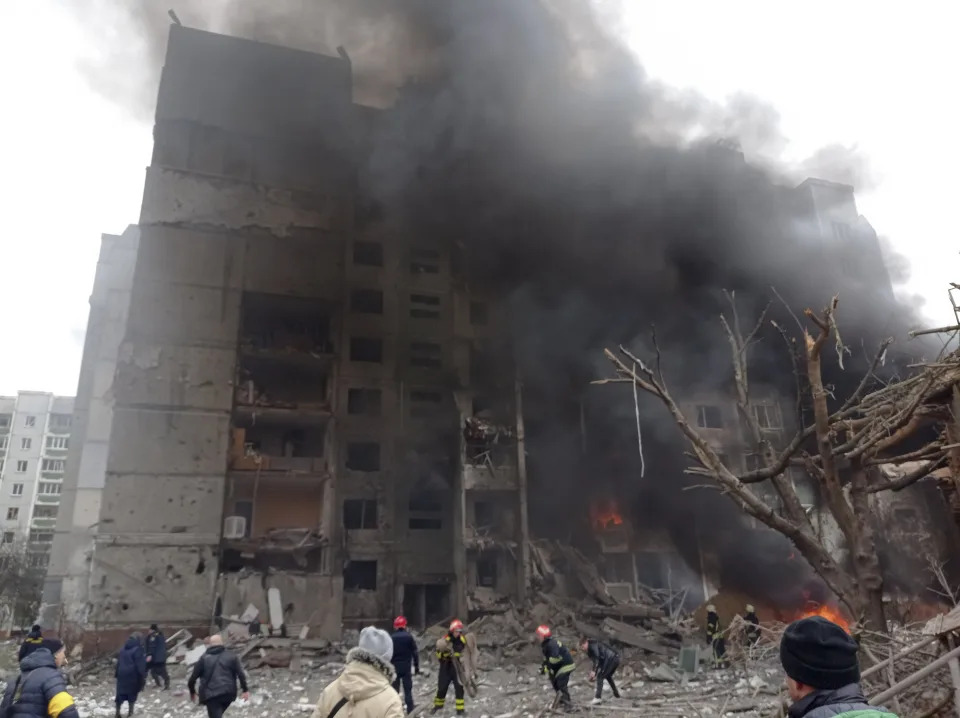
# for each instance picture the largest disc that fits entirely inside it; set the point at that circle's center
(510, 688)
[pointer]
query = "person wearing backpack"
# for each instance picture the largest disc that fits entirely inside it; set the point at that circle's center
(823, 673)
(40, 691)
(218, 671)
(365, 687)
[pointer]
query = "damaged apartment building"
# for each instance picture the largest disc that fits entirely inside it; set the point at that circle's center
(290, 394)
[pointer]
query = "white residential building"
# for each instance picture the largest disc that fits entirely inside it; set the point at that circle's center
(34, 439)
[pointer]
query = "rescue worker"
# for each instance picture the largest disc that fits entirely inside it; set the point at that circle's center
(405, 657)
(40, 691)
(605, 664)
(157, 657)
(752, 626)
(823, 673)
(450, 648)
(557, 664)
(31, 643)
(715, 638)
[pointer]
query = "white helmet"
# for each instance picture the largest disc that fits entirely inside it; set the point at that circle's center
(711, 608)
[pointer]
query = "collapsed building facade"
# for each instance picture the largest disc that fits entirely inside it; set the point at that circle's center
(284, 389)
(300, 397)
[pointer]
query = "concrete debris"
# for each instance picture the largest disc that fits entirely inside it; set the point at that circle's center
(664, 674)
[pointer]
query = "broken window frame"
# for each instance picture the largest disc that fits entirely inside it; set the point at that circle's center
(367, 254)
(425, 306)
(706, 412)
(364, 401)
(364, 510)
(367, 347)
(371, 464)
(426, 355)
(424, 403)
(487, 566)
(424, 260)
(357, 575)
(366, 301)
(425, 511)
(768, 416)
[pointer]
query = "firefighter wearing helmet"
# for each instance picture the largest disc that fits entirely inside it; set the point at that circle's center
(557, 664)
(405, 658)
(450, 648)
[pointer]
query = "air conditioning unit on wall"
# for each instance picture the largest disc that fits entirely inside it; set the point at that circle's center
(234, 527)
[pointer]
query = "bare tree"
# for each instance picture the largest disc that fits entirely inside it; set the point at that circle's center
(839, 449)
(21, 583)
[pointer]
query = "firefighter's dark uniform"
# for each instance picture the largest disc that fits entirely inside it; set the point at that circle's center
(752, 631)
(715, 639)
(453, 647)
(605, 664)
(558, 664)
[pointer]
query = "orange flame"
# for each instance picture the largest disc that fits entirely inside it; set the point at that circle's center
(831, 613)
(604, 515)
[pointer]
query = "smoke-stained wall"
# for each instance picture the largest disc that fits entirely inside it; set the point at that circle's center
(527, 137)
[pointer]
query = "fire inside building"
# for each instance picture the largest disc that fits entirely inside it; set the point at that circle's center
(280, 390)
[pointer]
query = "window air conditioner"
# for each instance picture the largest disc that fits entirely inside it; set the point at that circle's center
(235, 527)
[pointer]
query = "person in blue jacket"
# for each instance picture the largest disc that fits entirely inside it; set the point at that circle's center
(40, 691)
(131, 673)
(405, 656)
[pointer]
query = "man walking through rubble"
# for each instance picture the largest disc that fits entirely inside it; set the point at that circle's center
(557, 664)
(823, 674)
(157, 657)
(450, 648)
(218, 671)
(605, 664)
(405, 657)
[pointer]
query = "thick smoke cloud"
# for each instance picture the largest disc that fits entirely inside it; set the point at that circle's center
(597, 200)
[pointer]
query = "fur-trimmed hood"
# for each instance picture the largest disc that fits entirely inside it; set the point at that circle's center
(365, 675)
(367, 684)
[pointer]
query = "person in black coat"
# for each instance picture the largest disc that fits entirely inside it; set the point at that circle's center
(605, 664)
(32, 642)
(218, 671)
(405, 656)
(131, 673)
(157, 656)
(40, 690)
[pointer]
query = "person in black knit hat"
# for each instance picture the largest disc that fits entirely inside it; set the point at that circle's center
(823, 672)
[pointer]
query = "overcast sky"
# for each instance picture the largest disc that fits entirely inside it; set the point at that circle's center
(877, 77)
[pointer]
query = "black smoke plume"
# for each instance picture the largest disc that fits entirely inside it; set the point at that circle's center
(600, 204)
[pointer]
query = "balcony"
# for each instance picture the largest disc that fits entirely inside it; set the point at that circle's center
(48, 499)
(272, 451)
(487, 477)
(43, 522)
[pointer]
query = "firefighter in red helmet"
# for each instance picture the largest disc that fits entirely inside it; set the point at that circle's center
(557, 664)
(405, 657)
(450, 648)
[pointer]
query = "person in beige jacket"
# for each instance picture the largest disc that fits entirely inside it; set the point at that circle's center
(365, 687)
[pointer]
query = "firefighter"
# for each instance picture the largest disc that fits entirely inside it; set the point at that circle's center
(752, 629)
(450, 648)
(715, 638)
(557, 664)
(605, 664)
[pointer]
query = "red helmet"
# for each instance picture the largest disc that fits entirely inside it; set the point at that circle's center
(544, 631)
(456, 625)
(400, 622)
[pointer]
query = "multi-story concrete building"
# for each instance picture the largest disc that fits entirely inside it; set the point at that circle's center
(301, 398)
(35, 432)
(68, 575)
